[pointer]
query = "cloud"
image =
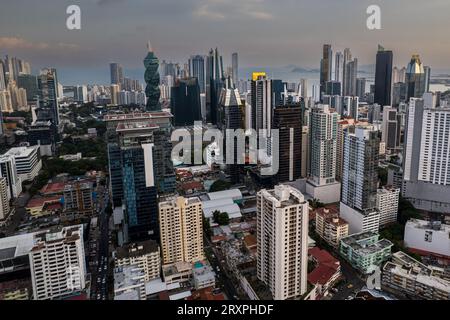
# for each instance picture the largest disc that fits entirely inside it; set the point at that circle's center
(22, 45)
(12, 43)
(108, 2)
(219, 10)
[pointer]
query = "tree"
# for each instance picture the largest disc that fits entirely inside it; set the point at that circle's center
(206, 226)
(382, 175)
(221, 218)
(220, 185)
(315, 203)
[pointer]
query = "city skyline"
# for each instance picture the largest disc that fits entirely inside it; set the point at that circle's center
(230, 25)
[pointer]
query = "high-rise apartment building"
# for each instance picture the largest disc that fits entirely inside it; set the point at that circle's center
(339, 67)
(4, 200)
(181, 225)
(427, 157)
(391, 128)
(144, 255)
(28, 161)
(387, 204)
(360, 179)
(8, 170)
(322, 183)
(57, 263)
(282, 238)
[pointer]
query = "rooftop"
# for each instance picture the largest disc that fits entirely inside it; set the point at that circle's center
(366, 242)
(137, 249)
(22, 152)
(137, 116)
(41, 201)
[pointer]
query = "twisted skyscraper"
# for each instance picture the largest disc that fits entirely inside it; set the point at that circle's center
(151, 77)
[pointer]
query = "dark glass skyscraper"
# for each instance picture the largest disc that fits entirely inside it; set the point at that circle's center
(48, 96)
(326, 65)
(116, 71)
(383, 77)
(185, 102)
(30, 84)
(229, 117)
(288, 120)
(415, 78)
(197, 70)
(215, 80)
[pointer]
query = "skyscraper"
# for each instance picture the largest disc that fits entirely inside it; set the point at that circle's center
(282, 238)
(339, 67)
(215, 81)
(323, 131)
(197, 70)
(151, 77)
(360, 87)
(383, 77)
(2, 76)
(235, 68)
(326, 65)
(360, 179)
(181, 229)
(30, 84)
(427, 157)
(138, 180)
(415, 78)
(288, 120)
(350, 74)
(116, 71)
(321, 182)
(230, 117)
(304, 88)
(185, 102)
(391, 128)
(48, 96)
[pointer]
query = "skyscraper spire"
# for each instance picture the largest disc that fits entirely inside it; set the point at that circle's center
(149, 47)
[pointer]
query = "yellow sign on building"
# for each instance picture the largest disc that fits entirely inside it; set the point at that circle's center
(256, 75)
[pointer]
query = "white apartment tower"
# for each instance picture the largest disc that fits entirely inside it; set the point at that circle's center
(57, 263)
(427, 157)
(360, 179)
(4, 201)
(181, 228)
(8, 170)
(282, 237)
(323, 137)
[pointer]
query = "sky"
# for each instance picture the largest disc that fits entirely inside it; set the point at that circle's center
(263, 32)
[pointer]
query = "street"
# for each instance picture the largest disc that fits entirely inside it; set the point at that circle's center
(100, 274)
(223, 278)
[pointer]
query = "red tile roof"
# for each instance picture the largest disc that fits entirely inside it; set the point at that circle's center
(56, 187)
(39, 202)
(193, 185)
(322, 274)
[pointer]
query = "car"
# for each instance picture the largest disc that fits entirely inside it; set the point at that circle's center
(350, 286)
